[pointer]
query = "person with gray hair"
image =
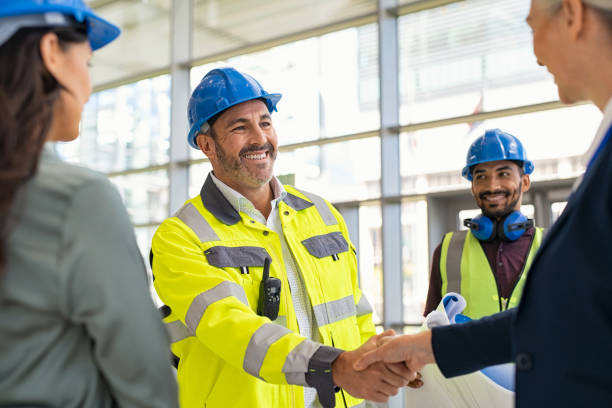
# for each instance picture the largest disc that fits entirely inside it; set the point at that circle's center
(558, 336)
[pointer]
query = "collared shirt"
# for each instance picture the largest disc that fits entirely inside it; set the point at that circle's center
(606, 122)
(604, 126)
(506, 259)
(301, 302)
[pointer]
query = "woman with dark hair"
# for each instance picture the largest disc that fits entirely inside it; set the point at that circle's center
(77, 324)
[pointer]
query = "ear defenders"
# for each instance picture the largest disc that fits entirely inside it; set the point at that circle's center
(511, 228)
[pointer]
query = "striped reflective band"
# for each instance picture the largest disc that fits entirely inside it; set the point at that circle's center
(331, 312)
(177, 331)
(322, 207)
(296, 363)
(259, 345)
(453, 261)
(364, 307)
(194, 220)
(360, 405)
(203, 300)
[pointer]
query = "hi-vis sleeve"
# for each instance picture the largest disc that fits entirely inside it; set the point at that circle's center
(212, 305)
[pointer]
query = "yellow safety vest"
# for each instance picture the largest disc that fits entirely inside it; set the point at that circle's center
(465, 269)
(229, 355)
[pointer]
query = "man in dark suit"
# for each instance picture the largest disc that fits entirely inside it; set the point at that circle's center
(560, 334)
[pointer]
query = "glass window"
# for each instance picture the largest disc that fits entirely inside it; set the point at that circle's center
(221, 25)
(415, 262)
(557, 209)
(329, 83)
(144, 236)
(197, 176)
(555, 140)
(468, 57)
(124, 128)
(145, 195)
(342, 171)
(370, 257)
(144, 43)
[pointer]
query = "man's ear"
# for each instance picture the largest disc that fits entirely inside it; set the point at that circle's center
(573, 17)
(206, 145)
(52, 55)
(526, 183)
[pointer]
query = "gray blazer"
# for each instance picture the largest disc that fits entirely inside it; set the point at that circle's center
(77, 324)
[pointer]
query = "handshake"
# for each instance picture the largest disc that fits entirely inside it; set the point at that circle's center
(383, 364)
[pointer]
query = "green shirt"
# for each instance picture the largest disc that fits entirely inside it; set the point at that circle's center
(77, 325)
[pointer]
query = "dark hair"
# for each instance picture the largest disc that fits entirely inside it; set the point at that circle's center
(520, 165)
(28, 93)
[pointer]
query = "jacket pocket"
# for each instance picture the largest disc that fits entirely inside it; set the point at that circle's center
(330, 244)
(236, 257)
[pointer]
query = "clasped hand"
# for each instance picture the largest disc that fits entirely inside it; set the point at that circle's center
(365, 374)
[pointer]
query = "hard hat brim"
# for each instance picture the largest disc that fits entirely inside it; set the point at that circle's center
(467, 173)
(271, 101)
(100, 32)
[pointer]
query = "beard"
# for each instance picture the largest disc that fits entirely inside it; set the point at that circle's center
(241, 173)
(498, 213)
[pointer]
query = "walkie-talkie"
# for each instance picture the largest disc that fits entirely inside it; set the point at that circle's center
(269, 293)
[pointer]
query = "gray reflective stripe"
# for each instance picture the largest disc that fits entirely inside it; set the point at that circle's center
(322, 207)
(544, 232)
(194, 220)
(363, 405)
(259, 345)
(453, 261)
(296, 363)
(326, 245)
(334, 311)
(203, 300)
(177, 331)
(236, 257)
(364, 307)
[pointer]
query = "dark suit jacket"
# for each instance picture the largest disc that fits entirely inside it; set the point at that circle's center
(561, 334)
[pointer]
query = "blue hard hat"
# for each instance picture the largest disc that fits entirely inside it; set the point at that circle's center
(496, 145)
(219, 90)
(16, 14)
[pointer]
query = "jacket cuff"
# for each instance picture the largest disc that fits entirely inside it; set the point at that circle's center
(319, 375)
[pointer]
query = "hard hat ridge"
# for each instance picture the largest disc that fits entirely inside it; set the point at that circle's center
(17, 14)
(219, 90)
(496, 145)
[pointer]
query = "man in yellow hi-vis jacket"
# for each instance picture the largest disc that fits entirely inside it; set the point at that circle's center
(260, 279)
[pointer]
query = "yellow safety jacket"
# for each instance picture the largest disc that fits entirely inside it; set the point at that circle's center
(229, 355)
(465, 269)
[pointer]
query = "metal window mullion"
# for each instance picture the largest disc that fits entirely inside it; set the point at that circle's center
(388, 58)
(180, 54)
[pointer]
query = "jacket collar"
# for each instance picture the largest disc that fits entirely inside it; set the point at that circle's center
(215, 202)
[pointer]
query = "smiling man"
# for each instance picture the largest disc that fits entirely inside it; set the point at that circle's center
(488, 263)
(259, 279)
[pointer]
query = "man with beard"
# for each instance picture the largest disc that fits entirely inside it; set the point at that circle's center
(259, 279)
(488, 263)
